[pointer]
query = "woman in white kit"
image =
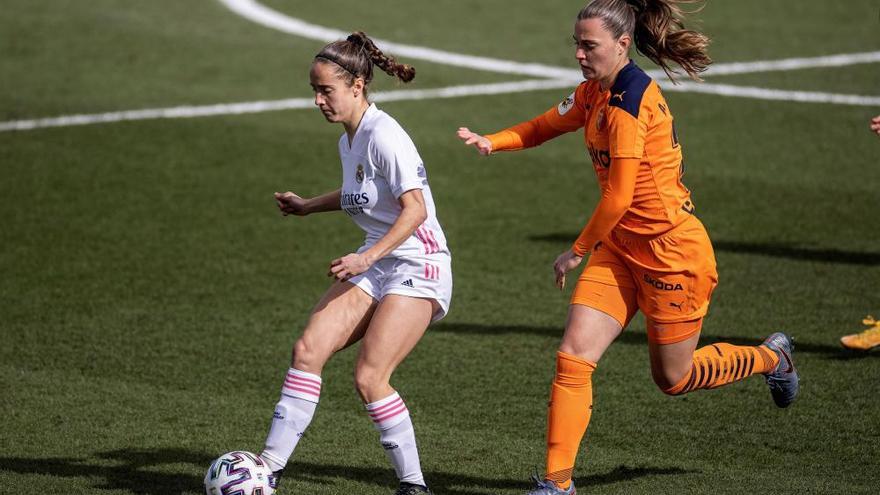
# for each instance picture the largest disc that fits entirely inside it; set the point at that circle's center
(387, 292)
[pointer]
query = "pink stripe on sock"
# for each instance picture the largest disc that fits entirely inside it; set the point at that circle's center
(385, 407)
(303, 378)
(303, 390)
(304, 386)
(390, 414)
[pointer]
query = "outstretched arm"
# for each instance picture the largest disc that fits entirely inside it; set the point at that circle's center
(565, 117)
(523, 135)
(483, 145)
(530, 133)
(291, 204)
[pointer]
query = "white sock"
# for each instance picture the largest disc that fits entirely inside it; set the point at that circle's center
(293, 413)
(391, 418)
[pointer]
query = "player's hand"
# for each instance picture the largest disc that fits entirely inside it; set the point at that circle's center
(875, 124)
(291, 204)
(483, 145)
(348, 266)
(566, 262)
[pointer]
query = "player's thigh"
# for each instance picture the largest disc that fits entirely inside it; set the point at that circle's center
(602, 304)
(607, 285)
(394, 330)
(588, 332)
(338, 320)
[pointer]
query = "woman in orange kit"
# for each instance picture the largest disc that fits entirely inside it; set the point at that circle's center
(647, 250)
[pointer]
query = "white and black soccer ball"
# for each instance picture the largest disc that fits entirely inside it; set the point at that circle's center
(238, 473)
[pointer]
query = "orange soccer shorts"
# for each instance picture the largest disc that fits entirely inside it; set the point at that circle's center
(669, 278)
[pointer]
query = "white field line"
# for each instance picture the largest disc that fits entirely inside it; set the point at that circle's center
(554, 77)
(260, 14)
(256, 12)
(793, 64)
(423, 94)
(773, 94)
(274, 105)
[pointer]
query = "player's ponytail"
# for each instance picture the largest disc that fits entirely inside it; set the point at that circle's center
(389, 65)
(355, 57)
(657, 29)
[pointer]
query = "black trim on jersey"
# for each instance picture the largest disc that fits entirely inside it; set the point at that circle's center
(629, 88)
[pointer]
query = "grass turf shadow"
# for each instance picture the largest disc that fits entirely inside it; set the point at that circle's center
(626, 473)
(443, 483)
(771, 249)
(631, 337)
(129, 469)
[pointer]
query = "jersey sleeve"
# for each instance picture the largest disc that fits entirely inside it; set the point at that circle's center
(568, 116)
(616, 198)
(397, 161)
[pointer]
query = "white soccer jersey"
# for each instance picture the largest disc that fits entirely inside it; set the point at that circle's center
(381, 164)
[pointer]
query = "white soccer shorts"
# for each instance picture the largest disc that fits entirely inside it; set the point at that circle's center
(425, 277)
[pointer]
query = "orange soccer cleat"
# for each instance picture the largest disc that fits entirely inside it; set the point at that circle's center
(866, 340)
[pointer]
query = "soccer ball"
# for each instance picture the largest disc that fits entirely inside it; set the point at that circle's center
(238, 473)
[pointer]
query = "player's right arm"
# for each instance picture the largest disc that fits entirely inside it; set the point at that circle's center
(875, 124)
(291, 204)
(568, 116)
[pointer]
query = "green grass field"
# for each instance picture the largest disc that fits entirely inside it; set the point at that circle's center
(150, 292)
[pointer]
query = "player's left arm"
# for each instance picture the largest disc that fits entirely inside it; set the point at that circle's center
(616, 199)
(413, 212)
(875, 124)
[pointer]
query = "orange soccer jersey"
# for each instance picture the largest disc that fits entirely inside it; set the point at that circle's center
(643, 217)
(631, 120)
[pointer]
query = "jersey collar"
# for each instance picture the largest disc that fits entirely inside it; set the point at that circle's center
(369, 114)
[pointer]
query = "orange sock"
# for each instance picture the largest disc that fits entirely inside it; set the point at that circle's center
(571, 404)
(717, 365)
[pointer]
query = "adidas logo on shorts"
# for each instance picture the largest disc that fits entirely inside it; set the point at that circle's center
(408, 283)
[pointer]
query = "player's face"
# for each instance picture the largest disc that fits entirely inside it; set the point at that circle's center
(598, 53)
(333, 96)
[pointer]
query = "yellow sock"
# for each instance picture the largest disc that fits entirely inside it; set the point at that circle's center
(719, 364)
(571, 404)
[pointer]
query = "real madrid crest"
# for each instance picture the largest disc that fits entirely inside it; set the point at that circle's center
(359, 174)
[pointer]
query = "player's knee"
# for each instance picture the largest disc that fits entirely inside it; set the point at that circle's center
(671, 390)
(668, 381)
(368, 381)
(306, 356)
(568, 348)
